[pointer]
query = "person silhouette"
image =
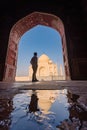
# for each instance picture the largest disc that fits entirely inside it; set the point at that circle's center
(34, 63)
(33, 106)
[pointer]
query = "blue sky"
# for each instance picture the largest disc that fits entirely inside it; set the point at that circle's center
(40, 39)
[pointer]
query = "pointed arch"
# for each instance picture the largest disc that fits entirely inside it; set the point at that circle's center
(22, 26)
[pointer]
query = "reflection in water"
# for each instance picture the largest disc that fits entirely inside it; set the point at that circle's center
(77, 113)
(6, 108)
(32, 109)
(34, 102)
(40, 110)
(45, 112)
(46, 99)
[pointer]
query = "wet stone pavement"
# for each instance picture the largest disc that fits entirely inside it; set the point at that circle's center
(76, 93)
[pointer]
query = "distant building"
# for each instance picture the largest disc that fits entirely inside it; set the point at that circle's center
(47, 70)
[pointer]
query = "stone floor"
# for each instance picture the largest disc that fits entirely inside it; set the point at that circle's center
(74, 87)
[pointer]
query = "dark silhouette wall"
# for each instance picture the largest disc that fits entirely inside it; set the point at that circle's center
(74, 16)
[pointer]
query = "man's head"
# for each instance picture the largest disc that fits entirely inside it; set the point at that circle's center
(35, 53)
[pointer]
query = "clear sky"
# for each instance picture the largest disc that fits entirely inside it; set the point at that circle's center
(40, 39)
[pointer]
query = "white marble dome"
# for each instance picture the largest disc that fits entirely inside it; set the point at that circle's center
(43, 58)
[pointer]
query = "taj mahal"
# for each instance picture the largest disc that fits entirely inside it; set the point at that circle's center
(47, 70)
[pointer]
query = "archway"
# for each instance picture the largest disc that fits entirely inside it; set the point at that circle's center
(23, 25)
(42, 71)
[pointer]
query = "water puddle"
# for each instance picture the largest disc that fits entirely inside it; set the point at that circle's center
(41, 110)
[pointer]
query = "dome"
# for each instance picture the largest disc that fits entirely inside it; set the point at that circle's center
(44, 104)
(43, 58)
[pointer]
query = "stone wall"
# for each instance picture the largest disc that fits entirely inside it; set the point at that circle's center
(74, 16)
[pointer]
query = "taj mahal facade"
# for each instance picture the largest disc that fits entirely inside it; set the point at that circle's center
(47, 70)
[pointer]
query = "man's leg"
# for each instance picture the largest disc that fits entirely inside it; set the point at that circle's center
(34, 74)
(35, 70)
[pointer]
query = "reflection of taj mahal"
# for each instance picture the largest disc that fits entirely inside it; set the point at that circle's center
(47, 70)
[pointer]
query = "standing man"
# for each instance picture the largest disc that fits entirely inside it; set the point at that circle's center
(34, 63)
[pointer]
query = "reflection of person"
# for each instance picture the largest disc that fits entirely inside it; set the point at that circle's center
(34, 64)
(33, 103)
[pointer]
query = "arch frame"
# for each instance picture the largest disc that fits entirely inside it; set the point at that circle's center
(24, 25)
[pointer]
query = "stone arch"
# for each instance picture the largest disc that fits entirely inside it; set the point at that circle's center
(23, 25)
(42, 71)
